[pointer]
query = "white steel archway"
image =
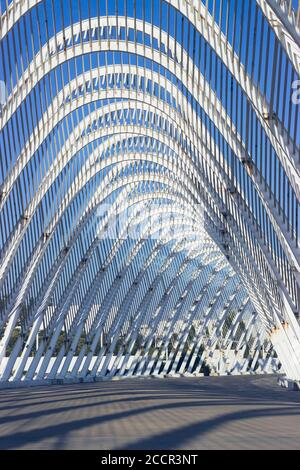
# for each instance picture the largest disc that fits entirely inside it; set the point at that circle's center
(149, 188)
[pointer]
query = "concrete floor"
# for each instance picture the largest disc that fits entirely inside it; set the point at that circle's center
(205, 413)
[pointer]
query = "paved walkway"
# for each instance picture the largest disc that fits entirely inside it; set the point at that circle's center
(205, 413)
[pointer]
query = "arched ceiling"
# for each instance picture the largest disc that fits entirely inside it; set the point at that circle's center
(149, 188)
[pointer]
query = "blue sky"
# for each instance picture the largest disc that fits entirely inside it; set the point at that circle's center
(268, 66)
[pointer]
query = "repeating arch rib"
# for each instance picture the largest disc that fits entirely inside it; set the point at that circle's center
(149, 189)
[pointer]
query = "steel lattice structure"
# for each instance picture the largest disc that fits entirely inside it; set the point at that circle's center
(178, 116)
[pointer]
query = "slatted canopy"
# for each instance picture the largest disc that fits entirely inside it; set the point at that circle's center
(149, 188)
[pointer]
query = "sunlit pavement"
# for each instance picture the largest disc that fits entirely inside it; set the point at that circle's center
(204, 413)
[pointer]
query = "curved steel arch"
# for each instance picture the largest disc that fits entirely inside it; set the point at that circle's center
(131, 112)
(141, 197)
